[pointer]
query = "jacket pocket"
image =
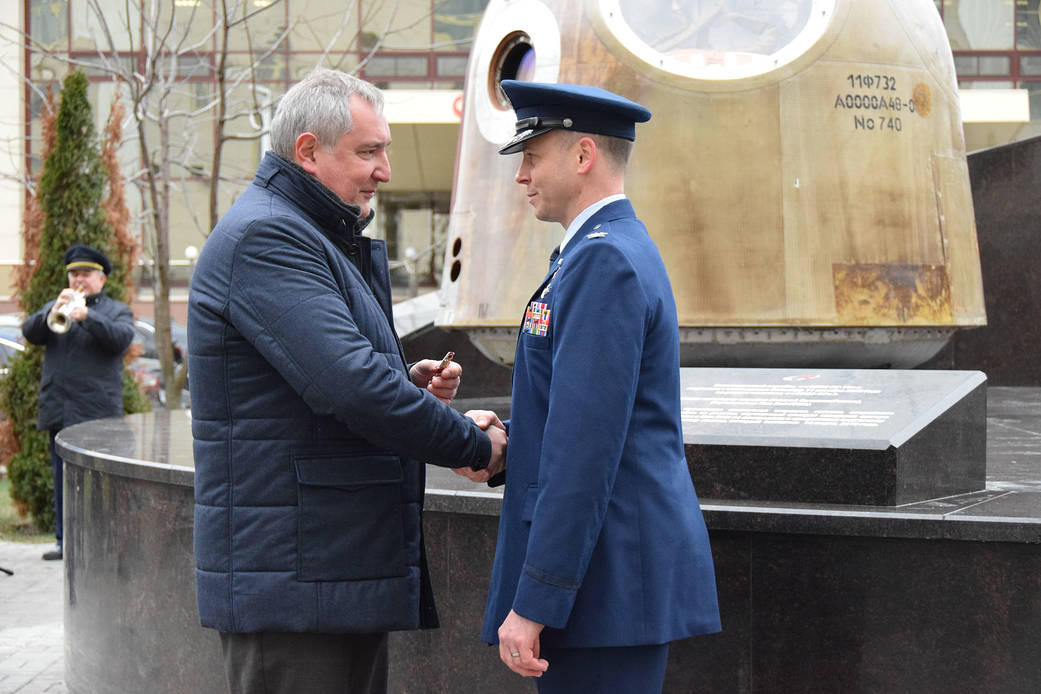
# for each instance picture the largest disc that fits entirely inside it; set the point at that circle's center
(349, 517)
(539, 342)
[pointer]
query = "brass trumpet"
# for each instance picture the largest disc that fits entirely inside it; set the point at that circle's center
(59, 320)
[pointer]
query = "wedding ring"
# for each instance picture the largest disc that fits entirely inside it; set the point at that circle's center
(515, 655)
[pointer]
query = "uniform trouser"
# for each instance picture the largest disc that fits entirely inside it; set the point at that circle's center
(623, 670)
(292, 663)
(56, 471)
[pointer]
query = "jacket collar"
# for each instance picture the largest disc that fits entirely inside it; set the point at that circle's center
(584, 216)
(326, 210)
(611, 211)
(618, 209)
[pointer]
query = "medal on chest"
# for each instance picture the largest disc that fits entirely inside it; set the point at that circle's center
(549, 283)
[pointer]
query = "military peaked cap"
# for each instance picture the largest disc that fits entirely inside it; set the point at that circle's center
(542, 107)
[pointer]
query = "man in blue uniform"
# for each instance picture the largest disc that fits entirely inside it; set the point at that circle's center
(603, 558)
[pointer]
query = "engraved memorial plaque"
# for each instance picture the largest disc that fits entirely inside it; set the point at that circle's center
(874, 437)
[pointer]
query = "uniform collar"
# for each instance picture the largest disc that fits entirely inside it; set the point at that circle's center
(584, 216)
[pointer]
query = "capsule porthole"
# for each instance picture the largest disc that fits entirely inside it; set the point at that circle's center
(514, 59)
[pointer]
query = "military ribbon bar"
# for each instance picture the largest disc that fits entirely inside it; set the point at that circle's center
(536, 319)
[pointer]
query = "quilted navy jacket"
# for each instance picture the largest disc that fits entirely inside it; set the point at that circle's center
(309, 435)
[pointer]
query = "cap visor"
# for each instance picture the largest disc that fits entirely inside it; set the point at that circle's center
(517, 143)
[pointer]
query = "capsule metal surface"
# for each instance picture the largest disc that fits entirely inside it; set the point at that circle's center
(804, 174)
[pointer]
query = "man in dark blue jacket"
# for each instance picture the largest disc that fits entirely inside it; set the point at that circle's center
(602, 558)
(310, 430)
(82, 375)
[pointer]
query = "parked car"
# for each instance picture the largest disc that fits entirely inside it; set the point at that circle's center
(8, 348)
(144, 329)
(147, 370)
(11, 327)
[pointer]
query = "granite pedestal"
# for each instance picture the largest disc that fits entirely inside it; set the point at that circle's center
(936, 595)
(1005, 181)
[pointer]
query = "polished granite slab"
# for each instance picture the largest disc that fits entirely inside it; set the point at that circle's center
(817, 408)
(153, 446)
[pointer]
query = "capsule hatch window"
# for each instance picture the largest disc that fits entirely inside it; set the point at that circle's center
(713, 39)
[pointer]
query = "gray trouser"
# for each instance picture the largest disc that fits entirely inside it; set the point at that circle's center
(290, 663)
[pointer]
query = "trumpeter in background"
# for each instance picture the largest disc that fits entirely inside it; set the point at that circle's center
(85, 333)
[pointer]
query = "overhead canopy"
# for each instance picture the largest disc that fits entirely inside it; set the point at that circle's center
(424, 125)
(992, 117)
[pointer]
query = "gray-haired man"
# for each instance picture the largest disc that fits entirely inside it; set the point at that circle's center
(309, 427)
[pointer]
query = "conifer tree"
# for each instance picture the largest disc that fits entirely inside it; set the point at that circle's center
(71, 208)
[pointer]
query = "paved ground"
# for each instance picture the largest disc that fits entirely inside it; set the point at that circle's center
(32, 652)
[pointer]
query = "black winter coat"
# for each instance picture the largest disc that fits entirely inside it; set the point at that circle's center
(83, 368)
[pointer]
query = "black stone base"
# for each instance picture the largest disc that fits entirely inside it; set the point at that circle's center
(1005, 181)
(805, 613)
(801, 613)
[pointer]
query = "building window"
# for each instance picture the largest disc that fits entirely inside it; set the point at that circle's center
(381, 66)
(1028, 28)
(451, 65)
(1030, 65)
(455, 23)
(996, 44)
(49, 22)
(980, 25)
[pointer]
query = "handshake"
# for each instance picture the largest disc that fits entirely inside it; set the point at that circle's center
(442, 379)
(496, 430)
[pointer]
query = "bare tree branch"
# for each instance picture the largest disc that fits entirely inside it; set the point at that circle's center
(159, 50)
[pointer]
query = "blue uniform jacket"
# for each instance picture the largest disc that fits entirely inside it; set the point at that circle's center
(601, 536)
(309, 435)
